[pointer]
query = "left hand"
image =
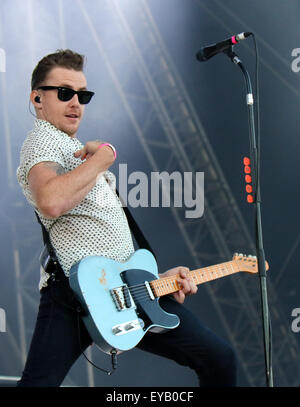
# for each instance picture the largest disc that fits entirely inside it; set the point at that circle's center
(188, 286)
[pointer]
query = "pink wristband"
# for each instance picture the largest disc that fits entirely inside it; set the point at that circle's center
(111, 146)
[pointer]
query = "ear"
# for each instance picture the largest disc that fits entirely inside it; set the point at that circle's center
(33, 96)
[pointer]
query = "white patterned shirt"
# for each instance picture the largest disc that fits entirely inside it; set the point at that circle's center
(97, 225)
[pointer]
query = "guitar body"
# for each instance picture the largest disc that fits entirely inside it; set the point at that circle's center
(119, 306)
(121, 300)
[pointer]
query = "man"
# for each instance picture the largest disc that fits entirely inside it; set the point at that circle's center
(73, 192)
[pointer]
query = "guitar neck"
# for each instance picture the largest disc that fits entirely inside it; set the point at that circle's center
(168, 285)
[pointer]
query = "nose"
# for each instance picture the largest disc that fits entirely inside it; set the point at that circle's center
(74, 101)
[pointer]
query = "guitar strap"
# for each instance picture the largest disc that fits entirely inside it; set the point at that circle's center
(134, 227)
(136, 231)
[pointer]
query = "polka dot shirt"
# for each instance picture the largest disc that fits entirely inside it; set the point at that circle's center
(97, 225)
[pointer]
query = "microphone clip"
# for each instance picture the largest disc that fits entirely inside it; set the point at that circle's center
(232, 55)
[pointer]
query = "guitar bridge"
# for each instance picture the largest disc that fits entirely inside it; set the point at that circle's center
(122, 298)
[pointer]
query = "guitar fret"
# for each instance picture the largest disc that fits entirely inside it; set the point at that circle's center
(194, 277)
(232, 267)
(165, 286)
(214, 272)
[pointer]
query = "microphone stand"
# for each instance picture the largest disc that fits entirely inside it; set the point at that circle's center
(257, 203)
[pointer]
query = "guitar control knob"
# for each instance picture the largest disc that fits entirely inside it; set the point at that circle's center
(142, 323)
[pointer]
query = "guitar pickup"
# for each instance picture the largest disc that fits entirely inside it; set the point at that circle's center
(122, 298)
(127, 298)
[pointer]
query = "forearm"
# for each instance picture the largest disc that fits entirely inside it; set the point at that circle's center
(66, 191)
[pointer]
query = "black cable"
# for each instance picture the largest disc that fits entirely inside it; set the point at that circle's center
(113, 352)
(257, 111)
(30, 110)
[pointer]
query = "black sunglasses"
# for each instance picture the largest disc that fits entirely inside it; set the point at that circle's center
(65, 94)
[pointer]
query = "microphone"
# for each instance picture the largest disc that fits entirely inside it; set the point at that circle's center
(211, 50)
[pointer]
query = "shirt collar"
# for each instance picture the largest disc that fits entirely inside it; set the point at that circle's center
(39, 123)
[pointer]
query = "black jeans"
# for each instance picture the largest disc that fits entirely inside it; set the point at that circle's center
(55, 344)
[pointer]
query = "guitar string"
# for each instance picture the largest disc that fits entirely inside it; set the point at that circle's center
(139, 292)
(215, 269)
(139, 289)
(136, 290)
(168, 281)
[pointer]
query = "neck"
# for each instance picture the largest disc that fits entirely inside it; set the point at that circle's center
(72, 135)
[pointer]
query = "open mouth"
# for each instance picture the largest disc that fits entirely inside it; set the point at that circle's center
(72, 116)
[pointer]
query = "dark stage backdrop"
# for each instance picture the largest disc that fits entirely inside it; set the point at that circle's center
(141, 64)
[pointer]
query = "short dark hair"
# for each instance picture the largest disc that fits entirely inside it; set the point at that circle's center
(62, 58)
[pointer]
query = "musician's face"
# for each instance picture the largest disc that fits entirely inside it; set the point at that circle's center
(64, 115)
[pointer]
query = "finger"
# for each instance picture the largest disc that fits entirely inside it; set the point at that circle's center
(194, 288)
(179, 296)
(78, 153)
(183, 272)
(189, 287)
(81, 154)
(88, 155)
(185, 285)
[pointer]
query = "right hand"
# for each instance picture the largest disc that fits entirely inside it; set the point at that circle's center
(90, 149)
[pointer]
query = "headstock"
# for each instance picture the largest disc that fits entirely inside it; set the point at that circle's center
(247, 263)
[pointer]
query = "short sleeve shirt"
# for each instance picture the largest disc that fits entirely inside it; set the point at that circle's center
(97, 225)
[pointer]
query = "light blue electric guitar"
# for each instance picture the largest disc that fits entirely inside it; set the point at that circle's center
(121, 300)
